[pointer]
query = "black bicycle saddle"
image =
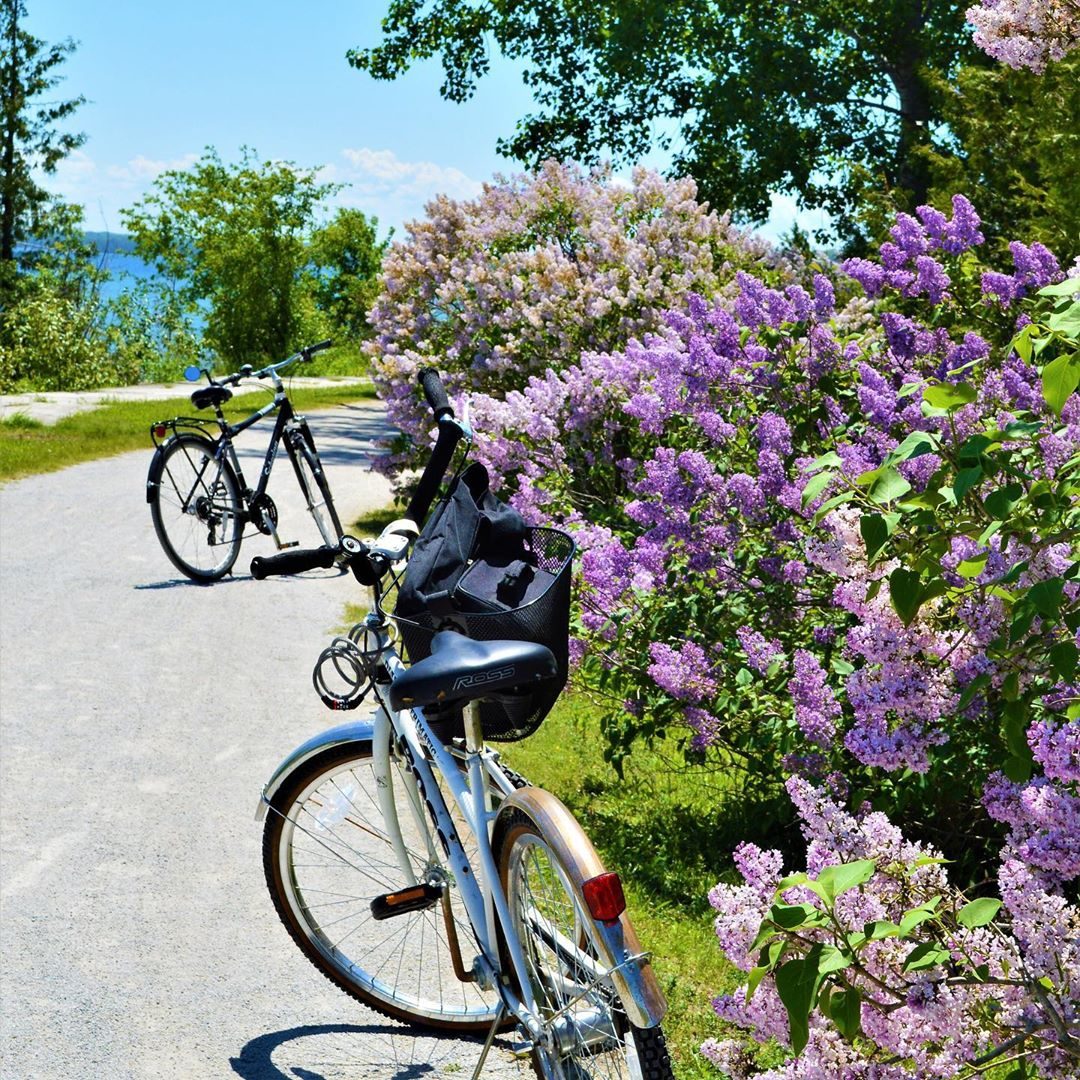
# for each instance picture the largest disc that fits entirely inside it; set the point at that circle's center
(206, 396)
(461, 669)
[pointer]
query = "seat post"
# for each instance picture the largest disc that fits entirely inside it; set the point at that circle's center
(474, 732)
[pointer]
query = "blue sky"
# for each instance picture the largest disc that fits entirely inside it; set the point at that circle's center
(163, 81)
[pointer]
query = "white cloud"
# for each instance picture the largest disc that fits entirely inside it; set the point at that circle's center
(144, 171)
(395, 191)
(375, 181)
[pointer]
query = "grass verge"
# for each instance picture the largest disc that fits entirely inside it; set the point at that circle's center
(28, 447)
(655, 827)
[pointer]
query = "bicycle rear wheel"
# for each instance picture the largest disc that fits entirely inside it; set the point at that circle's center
(327, 855)
(196, 508)
(313, 484)
(590, 1037)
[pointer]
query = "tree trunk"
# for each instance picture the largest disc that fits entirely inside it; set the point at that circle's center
(11, 106)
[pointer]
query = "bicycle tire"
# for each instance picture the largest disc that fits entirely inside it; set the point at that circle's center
(597, 1041)
(196, 508)
(316, 490)
(323, 837)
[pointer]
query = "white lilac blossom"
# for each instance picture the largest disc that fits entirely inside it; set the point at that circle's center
(1026, 33)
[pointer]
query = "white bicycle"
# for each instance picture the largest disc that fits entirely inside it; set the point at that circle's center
(421, 875)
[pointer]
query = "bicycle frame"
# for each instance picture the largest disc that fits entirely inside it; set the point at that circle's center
(481, 893)
(224, 448)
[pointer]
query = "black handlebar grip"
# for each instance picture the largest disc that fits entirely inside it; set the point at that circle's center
(293, 562)
(449, 436)
(435, 393)
(319, 347)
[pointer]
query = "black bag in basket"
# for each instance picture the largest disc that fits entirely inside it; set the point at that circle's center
(477, 568)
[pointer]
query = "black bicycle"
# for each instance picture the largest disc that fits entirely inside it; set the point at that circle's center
(198, 497)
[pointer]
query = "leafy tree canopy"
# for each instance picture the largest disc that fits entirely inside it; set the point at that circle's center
(29, 134)
(822, 98)
(234, 237)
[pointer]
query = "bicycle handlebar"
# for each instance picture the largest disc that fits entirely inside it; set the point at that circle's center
(293, 562)
(435, 392)
(450, 434)
(247, 372)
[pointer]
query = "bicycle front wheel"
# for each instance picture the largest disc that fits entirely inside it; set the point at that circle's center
(313, 484)
(589, 1035)
(196, 508)
(327, 855)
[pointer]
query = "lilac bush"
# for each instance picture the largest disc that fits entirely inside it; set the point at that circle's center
(532, 272)
(1026, 33)
(829, 532)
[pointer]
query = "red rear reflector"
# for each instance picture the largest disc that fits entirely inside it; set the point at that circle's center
(604, 896)
(161, 431)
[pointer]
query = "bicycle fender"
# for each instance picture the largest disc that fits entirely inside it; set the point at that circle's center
(357, 731)
(153, 477)
(617, 942)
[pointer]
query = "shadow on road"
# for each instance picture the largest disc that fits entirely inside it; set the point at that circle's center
(336, 1051)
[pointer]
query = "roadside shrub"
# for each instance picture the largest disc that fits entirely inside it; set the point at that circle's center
(838, 544)
(47, 343)
(532, 272)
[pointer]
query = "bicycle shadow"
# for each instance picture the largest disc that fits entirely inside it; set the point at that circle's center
(378, 1049)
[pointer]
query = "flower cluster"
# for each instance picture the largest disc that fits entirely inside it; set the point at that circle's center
(920, 982)
(1026, 33)
(524, 277)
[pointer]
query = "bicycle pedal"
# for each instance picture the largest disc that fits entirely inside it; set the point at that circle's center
(417, 898)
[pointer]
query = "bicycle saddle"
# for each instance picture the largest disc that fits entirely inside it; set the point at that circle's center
(461, 669)
(206, 396)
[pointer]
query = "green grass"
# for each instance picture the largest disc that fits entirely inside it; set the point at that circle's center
(28, 447)
(663, 827)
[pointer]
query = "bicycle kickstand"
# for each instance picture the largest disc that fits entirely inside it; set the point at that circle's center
(490, 1039)
(279, 543)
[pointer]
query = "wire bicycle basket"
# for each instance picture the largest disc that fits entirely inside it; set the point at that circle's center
(480, 611)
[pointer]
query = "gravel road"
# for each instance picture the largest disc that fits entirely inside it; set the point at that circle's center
(139, 717)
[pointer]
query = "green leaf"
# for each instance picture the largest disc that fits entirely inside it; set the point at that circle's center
(1022, 342)
(816, 485)
(1017, 769)
(905, 591)
(1063, 659)
(1046, 596)
(845, 1008)
(831, 504)
(875, 533)
(978, 912)
(831, 459)
(797, 984)
(915, 445)
(835, 880)
(753, 980)
(926, 955)
(949, 396)
(965, 480)
(999, 504)
(888, 486)
(972, 568)
(881, 928)
(1059, 379)
(1066, 322)
(1066, 287)
(795, 916)
(916, 916)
